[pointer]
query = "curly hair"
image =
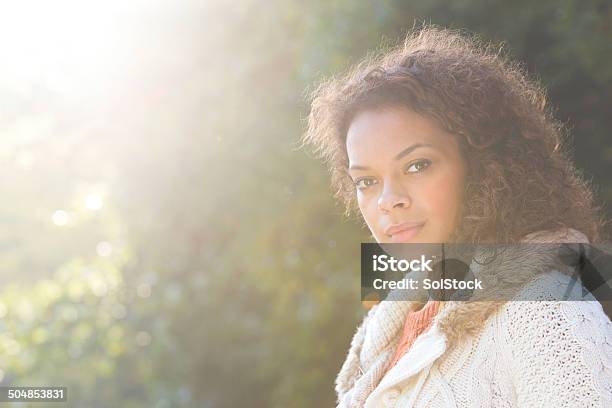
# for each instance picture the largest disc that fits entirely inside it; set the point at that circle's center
(520, 175)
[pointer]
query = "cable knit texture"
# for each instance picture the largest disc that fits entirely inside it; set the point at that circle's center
(416, 323)
(537, 353)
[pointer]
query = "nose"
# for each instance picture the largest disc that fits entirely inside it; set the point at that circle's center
(393, 196)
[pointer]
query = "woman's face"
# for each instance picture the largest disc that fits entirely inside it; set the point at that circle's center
(409, 176)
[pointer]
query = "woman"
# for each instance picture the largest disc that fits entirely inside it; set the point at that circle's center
(442, 140)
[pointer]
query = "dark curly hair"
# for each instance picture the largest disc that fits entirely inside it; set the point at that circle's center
(520, 176)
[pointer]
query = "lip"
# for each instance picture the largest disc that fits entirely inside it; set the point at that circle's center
(403, 232)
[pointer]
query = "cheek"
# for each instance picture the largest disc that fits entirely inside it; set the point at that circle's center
(442, 200)
(369, 212)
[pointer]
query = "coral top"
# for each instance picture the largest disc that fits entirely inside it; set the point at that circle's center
(416, 323)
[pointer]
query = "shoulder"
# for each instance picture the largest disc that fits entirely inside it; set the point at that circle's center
(555, 304)
(560, 351)
(551, 321)
(560, 354)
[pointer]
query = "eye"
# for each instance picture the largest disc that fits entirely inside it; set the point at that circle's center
(418, 166)
(365, 182)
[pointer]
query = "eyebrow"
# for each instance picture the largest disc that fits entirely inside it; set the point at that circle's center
(399, 156)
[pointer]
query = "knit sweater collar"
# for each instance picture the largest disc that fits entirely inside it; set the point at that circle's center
(372, 349)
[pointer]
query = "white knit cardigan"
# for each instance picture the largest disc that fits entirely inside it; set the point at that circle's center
(544, 353)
